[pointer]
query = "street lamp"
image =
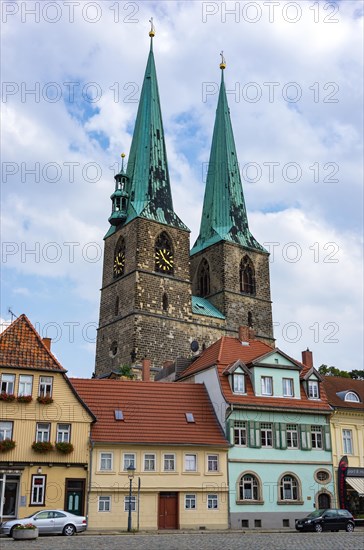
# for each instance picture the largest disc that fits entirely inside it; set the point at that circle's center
(130, 469)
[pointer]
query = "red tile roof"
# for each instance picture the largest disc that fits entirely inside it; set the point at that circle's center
(228, 350)
(335, 384)
(154, 412)
(22, 347)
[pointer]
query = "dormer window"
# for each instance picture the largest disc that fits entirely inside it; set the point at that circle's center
(351, 396)
(238, 383)
(313, 389)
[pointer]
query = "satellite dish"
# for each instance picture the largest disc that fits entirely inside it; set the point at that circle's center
(194, 346)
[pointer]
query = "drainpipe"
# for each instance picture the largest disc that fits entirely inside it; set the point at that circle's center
(92, 445)
(2, 497)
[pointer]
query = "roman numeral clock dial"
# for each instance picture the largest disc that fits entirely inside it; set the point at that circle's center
(119, 263)
(164, 260)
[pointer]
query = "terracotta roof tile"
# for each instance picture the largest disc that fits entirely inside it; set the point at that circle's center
(22, 347)
(154, 412)
(226, 351)
(335, 384)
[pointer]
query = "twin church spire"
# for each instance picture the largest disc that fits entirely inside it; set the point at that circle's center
(144, 190)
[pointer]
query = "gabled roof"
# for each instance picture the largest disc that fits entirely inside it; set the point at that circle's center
(336, 384)
(154, 412)
(225, 352)
(22, 347)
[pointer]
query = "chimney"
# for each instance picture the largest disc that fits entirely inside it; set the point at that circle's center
(243, 334)
(146, 370)
(251, 334)
(47, 343)
(307, 358)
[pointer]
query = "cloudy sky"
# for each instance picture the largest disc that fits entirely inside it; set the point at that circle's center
(72, 73)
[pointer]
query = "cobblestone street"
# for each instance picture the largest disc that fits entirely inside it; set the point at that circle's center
(198, 541)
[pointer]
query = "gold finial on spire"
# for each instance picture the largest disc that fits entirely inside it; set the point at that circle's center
(223, 61)
(122, 161)
(152, 28)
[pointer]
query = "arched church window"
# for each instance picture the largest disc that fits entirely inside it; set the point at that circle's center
(165, 302)
(116, 310)
(119, 258)
(247, 276)
(204, 278)
(164, 257)
(250, 319)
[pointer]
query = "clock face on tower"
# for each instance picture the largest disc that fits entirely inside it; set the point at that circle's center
(119, 263)
(164, 260)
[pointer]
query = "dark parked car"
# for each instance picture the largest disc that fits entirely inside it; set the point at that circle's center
(326, 520)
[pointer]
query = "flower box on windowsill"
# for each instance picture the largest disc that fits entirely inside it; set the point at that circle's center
(24, 398)
(64, 448)
(7, 445)
(9, 397)
(42, 446)
(25, 532)
(44, 400)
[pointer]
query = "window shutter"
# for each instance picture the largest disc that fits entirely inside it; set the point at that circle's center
(308, 437)
(327, 438)
(283, 436)
(257, 434)
(304, 437)
(277, 438)
(251, 434)
(230, 430)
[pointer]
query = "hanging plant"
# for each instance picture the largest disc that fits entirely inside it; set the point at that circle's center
(7, 397)
(44, 400)
(42, 446)
(64, 447)
(24, 398)
(7, 445)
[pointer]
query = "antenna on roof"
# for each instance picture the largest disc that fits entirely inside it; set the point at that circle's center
(12, 314)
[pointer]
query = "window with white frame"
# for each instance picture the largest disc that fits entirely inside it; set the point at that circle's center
(43, 433)
(316, 437)
(149, 462)
(104, 504)
(238, 382)
(38, 490)
(129, 461)
(292, 436)
(287, 387)
(6, 430)
(351, 396)
(132, 501)
(63, 433)
(45, 386)
(348, 442)
(313, 389)
(266, 434)
(25, 385)
(190, 502)
(7, 383)
(169, 461)
(212, 502)
(106, 461)
(267, 385)
(240, 432)
(190, 463)
(212, 463)
(289, 488)
(249, 487)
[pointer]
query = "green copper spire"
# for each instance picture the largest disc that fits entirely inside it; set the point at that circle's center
(147, 169)
(224, 216)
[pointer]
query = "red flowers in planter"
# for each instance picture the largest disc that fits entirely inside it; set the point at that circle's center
(7, 445)
(44, 400)
(42, 446)
(9, 397)
(24, 398)
(64, 447)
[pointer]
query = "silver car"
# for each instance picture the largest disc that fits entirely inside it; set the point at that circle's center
(52, 522)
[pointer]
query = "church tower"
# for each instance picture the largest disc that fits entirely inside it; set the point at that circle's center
(146, 287)
(228, 266)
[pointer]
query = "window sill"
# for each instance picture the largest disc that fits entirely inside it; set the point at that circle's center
(259, 502)
(191, 472)
(108, 472)
(290, 502)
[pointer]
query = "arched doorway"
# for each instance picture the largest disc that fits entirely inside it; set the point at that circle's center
(324, 501)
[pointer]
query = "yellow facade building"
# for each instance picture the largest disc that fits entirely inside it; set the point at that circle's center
(346, 398)
(164, 443)
(44, 428)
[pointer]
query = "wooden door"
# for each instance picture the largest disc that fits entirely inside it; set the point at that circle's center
(75, 496)
(168, 511)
